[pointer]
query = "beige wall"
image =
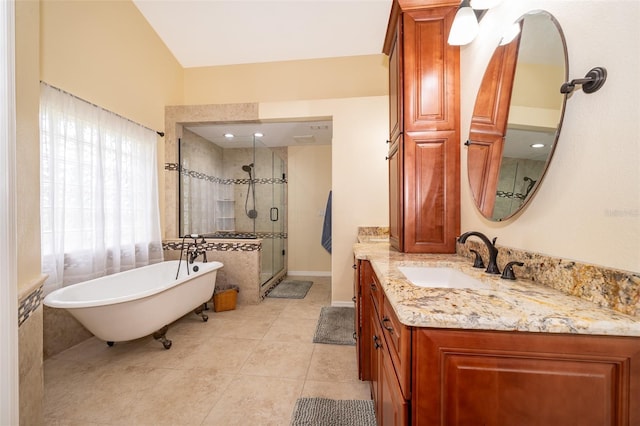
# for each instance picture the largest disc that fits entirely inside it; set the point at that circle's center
(588, 206)
(27, 142)
(105, 52)
(288, 81)
(309, 183)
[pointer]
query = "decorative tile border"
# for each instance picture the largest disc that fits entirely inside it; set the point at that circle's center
(175, 167)
(215, 246)
(29, 304)
(606, 287)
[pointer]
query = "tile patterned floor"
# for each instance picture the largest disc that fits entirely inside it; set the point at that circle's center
(242, 367)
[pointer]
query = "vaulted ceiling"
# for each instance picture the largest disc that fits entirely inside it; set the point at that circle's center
(202, 33)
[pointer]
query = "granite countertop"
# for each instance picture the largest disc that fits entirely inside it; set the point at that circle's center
(507, 305)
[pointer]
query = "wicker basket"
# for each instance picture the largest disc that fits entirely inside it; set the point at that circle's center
(225, 299)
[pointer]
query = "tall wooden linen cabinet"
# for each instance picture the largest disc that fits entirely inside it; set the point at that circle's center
(424, 126)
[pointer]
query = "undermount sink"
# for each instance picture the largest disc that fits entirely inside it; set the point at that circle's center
(441, 277)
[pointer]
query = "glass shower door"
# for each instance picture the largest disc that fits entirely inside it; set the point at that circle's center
(278, 214)
(270, 190)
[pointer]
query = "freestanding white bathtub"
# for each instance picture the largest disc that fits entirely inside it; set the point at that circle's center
(135, 303)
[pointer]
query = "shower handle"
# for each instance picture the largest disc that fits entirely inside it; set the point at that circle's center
(273, 214)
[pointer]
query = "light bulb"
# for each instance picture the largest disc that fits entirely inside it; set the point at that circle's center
(464, 28)
(484, 4)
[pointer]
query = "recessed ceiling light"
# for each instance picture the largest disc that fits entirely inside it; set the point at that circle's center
(228, 135)
(258, 135)
(537, 145)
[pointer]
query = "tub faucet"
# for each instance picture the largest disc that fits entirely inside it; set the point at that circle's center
(492, 267)
(194, 255)
(197, 251)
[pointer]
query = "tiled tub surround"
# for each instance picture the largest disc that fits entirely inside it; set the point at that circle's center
(241, 260)
(520, 305)
(30, 352)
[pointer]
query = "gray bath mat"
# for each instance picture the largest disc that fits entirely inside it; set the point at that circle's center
(335, 326)
(291, 289)
(322, 412)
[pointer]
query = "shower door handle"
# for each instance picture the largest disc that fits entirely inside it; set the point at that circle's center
(273, 214)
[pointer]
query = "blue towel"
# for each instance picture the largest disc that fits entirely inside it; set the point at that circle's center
(326, 227)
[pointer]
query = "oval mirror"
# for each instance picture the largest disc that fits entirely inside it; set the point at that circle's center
(517, 116)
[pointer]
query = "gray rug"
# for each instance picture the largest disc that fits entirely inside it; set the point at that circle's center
(291, 289)
(325, 412)
(335, 326)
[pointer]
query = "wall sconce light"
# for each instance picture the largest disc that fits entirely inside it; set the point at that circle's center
(465, 25)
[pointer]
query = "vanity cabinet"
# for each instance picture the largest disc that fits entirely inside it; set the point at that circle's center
(427, 376)
(424, 99)
(499, 378)
(385, 354)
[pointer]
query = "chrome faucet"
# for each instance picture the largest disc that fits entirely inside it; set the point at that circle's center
(492, 267)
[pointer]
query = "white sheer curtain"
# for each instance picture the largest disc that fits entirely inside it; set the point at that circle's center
(98, 191)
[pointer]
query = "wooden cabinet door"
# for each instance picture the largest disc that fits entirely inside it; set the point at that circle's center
(393, 406)
(431, 197)
(430, 70)
(512, 378)
(395, 84)
(396, 204)
(364, 274)
(377, 345)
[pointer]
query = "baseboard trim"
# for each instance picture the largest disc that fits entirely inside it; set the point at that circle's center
(310, 273)
(341, 304)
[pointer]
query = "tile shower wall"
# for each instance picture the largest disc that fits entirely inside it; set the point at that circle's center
(201, 183)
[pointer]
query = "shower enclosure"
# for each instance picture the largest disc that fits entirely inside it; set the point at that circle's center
(234, 193)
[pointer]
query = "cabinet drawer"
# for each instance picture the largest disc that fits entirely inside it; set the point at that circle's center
(398, 339)
(375, 289)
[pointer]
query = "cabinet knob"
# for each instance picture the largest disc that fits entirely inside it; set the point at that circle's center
(375, 342)
(373, 287)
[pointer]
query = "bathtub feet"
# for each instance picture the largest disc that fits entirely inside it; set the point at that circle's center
(161, 336)
(199, 311)
(110, 343)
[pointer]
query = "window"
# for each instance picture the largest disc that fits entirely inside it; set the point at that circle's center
(98, 191)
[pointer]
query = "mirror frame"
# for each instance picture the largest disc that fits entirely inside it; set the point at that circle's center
(489, 123)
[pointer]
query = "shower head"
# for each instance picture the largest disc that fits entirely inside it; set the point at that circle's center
(247, 167)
